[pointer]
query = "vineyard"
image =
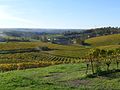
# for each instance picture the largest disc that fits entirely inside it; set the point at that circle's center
(104, 40)
(27, 45)
(36, 65)
(32, 60)
(23, 55)
(103, 61)
(14, 56)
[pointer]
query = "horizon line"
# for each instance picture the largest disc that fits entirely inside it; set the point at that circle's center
(56, 28)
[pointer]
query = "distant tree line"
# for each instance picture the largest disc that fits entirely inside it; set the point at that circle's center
(84, 34)
(80, 36)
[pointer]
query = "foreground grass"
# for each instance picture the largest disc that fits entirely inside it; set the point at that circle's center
(58, 77)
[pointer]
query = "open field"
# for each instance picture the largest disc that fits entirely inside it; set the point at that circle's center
(58, 77)
(62, 50)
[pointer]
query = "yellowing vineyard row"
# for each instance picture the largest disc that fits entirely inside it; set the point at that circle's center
(22, 55)
(32, 60)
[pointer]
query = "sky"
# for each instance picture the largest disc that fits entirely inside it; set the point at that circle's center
(60, 14)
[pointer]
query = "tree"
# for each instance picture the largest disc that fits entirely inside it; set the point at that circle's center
(87, 64)
(91, 59)
(117, 53)
(109, 54)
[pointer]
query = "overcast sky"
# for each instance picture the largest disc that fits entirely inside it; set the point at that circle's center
(59, 13)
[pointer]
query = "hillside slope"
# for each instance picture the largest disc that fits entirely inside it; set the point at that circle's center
(104, 40)
(59, 77)
(61, 50)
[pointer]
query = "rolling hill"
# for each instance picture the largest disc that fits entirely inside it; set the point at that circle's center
(68, 76)
(104, 40)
